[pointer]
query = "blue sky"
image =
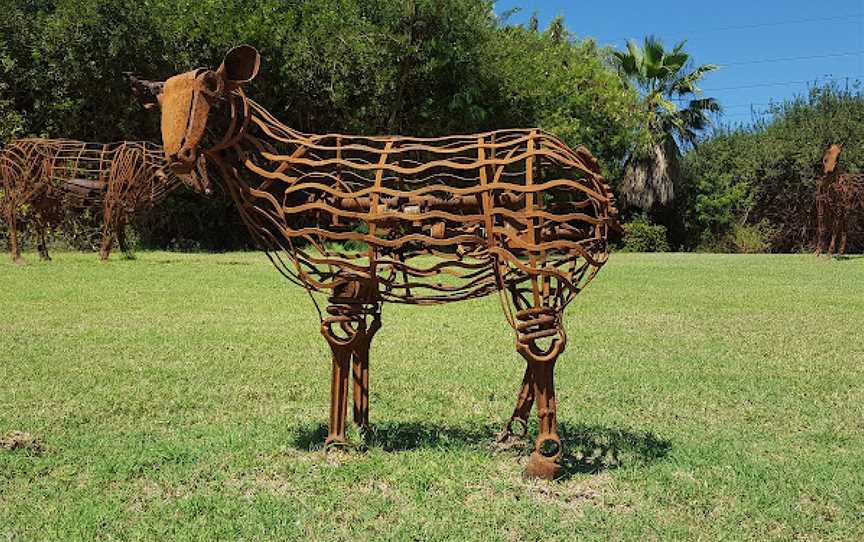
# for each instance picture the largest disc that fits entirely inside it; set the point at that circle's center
(759, 43)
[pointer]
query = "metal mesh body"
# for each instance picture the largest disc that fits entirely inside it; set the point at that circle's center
(57, 177)
(430, 220)
(839, 200)
(374, 219)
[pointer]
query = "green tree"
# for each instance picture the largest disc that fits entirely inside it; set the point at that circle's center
(551, 80)
(663, 78)
(424, 67)
(767, 173)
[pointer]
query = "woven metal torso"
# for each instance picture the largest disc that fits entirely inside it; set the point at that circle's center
(427, 220)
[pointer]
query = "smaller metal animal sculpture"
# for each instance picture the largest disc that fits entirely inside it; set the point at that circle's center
(838, 196)
(50, 178)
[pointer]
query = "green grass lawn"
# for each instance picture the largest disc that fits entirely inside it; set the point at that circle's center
(185, 396)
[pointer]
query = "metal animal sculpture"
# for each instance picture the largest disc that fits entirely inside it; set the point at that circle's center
(54, 177)
(838, 196)
(427, 220)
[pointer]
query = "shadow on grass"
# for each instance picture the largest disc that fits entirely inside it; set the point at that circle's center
(587, 448)
(596, 448)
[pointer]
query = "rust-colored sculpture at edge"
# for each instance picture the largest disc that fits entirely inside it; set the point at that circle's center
(838, 196)
(417, 220)
(56, 176)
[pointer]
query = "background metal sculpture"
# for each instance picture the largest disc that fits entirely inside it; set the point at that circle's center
(431, 220)
(838, 196)
(56, 176)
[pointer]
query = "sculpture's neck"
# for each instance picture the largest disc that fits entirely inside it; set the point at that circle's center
(255, 141)
(828, 179)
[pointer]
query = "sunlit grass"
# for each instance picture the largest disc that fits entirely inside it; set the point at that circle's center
(185, 396)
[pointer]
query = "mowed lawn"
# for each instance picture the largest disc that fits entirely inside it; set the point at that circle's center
(185, 397)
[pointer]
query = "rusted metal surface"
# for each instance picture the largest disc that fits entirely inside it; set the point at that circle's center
(838, 196)
(374, 219)
(54, 177)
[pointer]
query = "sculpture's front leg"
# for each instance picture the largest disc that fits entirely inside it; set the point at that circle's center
(835, 230)
(360, 368)
(353, 319)
(338, 383)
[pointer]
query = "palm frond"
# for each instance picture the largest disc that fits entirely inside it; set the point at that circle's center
(687, 83)
(651, 171)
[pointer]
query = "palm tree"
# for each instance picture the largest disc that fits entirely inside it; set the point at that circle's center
(664, 79)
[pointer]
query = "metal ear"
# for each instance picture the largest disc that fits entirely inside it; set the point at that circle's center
(146, 92)
(240, 66)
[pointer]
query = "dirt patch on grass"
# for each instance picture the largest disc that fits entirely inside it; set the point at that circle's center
(19, 440)
(251, 484)
(571, 495)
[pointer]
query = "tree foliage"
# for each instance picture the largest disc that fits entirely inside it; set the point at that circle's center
(663, 78)
(766, 174)
(425, 67)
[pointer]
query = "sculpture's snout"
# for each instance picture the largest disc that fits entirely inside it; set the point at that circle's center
(183, 161)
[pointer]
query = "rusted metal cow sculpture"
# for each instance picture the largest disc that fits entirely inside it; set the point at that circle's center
(58, 176)
(436, 220)
(838, 196)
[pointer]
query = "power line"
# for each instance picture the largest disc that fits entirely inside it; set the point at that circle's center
(791, 59)
(848, 18)
(738, 106)
(781, 83)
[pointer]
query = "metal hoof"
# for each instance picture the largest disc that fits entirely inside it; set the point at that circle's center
(509, 434)
(332, 445)
(19, 261)
(541, 467)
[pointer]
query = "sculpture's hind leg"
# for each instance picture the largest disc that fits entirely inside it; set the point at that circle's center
(14, 248)
(353, 319)
(41, 243)
(540, 340)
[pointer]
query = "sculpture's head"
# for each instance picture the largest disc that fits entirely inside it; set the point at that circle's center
(186, 101)
(831, 158)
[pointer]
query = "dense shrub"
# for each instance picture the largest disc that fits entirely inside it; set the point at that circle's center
(643, 236)
(741, 239)
(760, 181)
